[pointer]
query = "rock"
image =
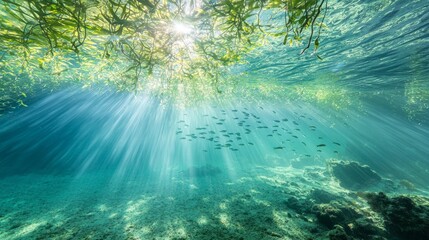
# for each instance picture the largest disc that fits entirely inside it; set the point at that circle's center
(274, 234)
(407, 185)
(337, 233)
(353, 175)
(378, 202)
(328, 215)
(299, 206)
(365, 228)
(402, 216)
(321, 196)
(333, 214)
(340, 214)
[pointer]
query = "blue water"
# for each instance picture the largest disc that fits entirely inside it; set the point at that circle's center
(98, 164)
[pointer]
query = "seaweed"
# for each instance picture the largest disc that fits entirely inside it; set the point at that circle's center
(131, 45)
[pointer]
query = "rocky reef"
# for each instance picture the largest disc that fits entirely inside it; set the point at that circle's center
(404, 217)
(355, 209)
(352, 175)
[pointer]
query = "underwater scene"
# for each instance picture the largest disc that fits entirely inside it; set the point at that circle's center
(214, 119)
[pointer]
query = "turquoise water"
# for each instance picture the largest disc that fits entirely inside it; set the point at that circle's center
(307, 161)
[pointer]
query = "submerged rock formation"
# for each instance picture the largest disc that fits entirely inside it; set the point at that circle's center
(403, 217)
(322, 196)
(334, 214)
(338, 233)
(337, 217)
(353, 175)
(343, 220)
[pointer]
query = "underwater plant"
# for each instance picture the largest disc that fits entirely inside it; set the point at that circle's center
(170, 47)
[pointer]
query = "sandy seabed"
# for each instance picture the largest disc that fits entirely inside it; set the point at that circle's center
(283, 201)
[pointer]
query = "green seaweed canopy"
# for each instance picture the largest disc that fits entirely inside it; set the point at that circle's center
(168, 46)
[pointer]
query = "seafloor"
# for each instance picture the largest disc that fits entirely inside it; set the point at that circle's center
(281, 200)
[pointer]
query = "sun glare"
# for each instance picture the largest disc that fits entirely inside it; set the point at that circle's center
(184, 37)
(182, 28)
